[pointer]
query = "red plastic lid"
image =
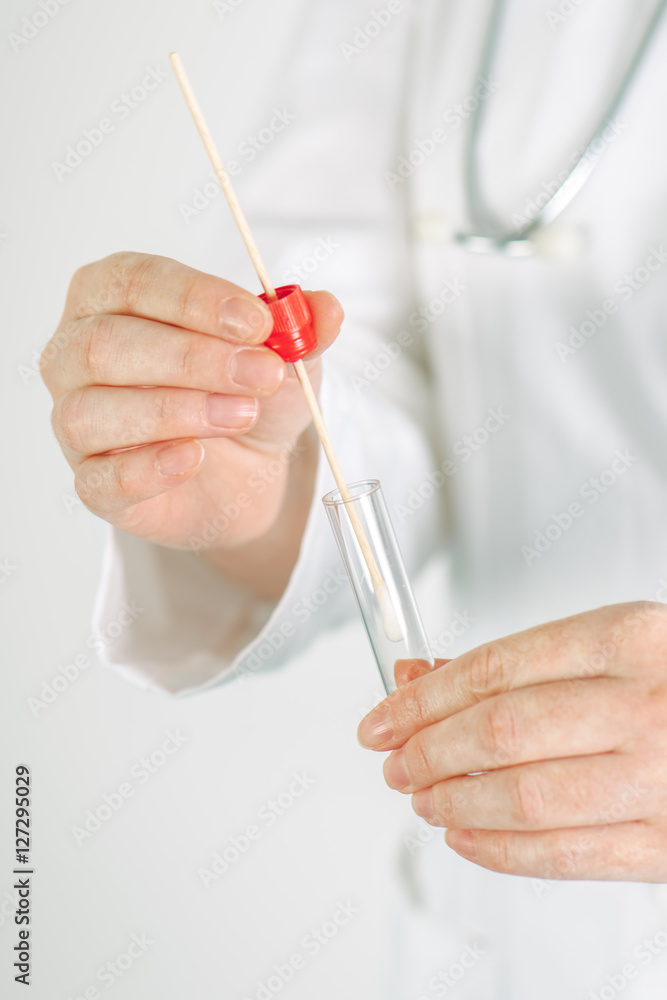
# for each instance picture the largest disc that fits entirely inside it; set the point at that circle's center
(293, 336)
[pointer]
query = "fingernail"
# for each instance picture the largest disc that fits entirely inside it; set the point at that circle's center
(422, 803)
(244, 318)
(375, 728)
(258, 368)
(395, 772)
(463, 842)
(176, 459)
(230, 411)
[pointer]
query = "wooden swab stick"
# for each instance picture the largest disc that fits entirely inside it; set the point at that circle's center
(390, 623)
(221, 174)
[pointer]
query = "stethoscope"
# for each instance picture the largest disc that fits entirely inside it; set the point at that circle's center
(488, 237)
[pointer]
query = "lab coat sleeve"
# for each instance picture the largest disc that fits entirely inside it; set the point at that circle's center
(187, 628)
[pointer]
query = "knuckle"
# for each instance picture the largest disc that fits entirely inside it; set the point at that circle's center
(123, 483)
(160, 415)
(499, 733)
(133, 273)
(81, 295)
(188, 304)
(528, 806)
(190, 362)
(159, 412)
(51, 359)
(103, 484)
(66, 419)
(88, 484)
(149, 422)
(447, 805)
(419, 759)
(409, 711)
(499, 853)
(644, 627)
(487, 670)
(582, 797)
(94, 346)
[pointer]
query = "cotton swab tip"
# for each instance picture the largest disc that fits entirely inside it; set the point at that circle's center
(390, 623)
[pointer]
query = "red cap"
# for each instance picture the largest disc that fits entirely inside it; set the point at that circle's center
(293, 336)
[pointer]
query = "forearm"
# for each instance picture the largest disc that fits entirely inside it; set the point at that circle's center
(264, 565)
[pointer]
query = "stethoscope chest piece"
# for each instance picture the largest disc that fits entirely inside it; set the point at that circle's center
(557, 242)
(562, 243)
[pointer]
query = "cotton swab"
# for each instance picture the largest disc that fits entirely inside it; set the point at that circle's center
(390, 622)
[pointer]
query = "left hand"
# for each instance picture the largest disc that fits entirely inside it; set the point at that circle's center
(544, 753)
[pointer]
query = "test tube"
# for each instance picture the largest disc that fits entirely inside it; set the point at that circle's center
(368, 501)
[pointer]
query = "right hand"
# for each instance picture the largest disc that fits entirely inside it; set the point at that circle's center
(166, 406)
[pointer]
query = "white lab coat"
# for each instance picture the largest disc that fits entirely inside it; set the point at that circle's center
(581, 423)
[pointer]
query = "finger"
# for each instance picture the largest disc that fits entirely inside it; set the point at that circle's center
(111, 349)
(285, 414)
(110, 485)
(532, 724)
(415, 703)
(578, 791)
(162, 289)
(128, 350)
(98, 419)
(327, 314)
(627, 852)
(568, 649)
(409, 670)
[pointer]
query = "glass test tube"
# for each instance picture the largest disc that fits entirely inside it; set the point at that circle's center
(374, 517)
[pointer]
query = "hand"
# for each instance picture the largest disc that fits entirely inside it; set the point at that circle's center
(167, 407)
(545, 753)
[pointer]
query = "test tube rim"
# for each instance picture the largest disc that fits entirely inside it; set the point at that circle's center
(358, 490)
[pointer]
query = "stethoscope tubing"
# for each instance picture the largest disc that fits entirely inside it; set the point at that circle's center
(519, 242)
